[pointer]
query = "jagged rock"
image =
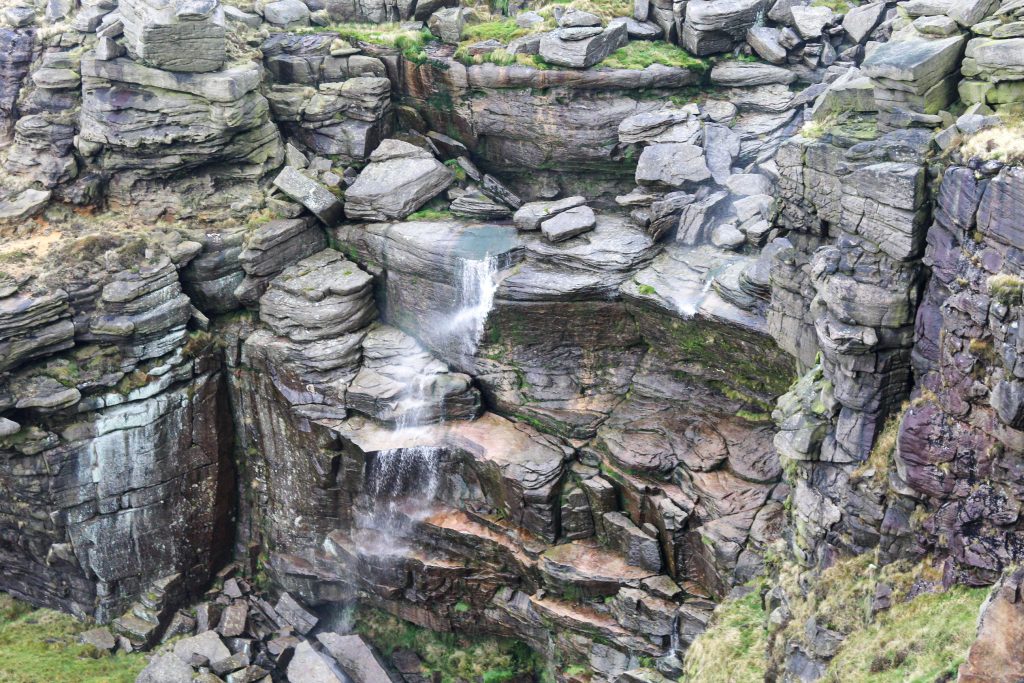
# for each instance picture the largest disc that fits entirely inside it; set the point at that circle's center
(295, 614)
(992, 657)
(397, 182)
(530, 216)
(650, 126)
(496, 190)
(922, 63)
(749, 74)
(319, 297)
(25, 204)
(206, 644)
(270, 249)
(639, 549)
(32, 326)
(672, 165)
(16, 51)
(477, 205)
(568, 224)
(100, 638)
(765, 42)
(308, 666)
(447, 24)
(722, 146)
(643, 30)
(357, 658)
(747, 184)
(232, 13)
(185, 35)
(970, 12)
(809, 22)
(728, 237)
(574, 17)
(165, 669)
(286, 13)
(712, 27)
(585, 52)
(160, 165)
(311, 194)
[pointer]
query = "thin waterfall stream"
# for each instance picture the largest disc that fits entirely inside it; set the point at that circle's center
(404, 482)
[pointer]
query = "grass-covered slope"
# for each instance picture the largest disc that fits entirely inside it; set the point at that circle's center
(923, 637)
(41, 646)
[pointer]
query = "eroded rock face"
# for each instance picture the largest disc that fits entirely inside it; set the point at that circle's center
(210, 150)
(17, 54)
(992, 657)
(124, 418)
(182, 35)
(558, 427)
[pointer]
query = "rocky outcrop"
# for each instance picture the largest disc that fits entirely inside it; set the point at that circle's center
(399, 179)
(124, 420)
(1000, 623)
(209, 153)
(184, 35)
(17, 47)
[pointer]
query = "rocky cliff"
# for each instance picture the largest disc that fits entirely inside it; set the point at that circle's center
(562, 323)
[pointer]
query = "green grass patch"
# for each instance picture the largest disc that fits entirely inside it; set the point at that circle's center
(41, 646)
(734, 649)
(1006, 288)
(504, 30)
(430, 215)
(409, 42)
(452, 657)
(606, 9)
(925, 639)
(640, 54)
(837, 6)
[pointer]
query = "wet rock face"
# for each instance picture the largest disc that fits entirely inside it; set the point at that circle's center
(124, 418)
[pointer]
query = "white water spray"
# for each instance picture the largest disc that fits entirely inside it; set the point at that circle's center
(478, 282)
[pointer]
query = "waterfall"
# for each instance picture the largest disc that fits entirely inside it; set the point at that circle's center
(402, 483)
(674, 644)
(474, 298)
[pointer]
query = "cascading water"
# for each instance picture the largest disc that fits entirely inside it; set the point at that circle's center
(404, 482)
(478, 283)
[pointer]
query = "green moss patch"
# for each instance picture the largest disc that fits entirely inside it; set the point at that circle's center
(640, 54)
(41, 646)
(448, 656)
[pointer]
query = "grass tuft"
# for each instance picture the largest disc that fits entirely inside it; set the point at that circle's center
(1001, 143)
(1006, 288)
(734, 649)
(640, 54)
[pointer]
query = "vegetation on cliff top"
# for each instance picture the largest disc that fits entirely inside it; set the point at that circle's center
(41, 646)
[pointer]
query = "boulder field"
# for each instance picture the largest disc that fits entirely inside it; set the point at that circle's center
(559, 323)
